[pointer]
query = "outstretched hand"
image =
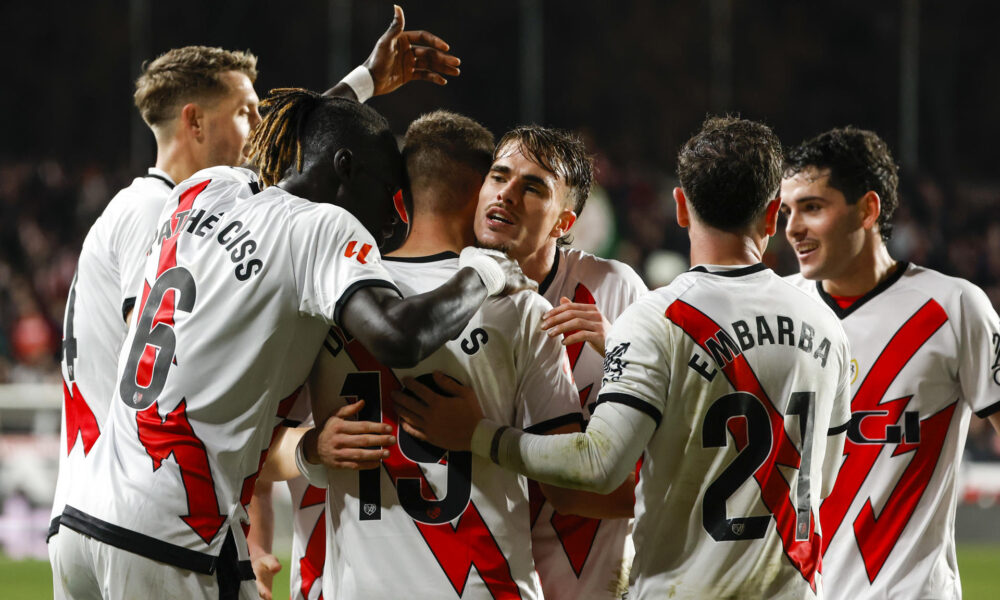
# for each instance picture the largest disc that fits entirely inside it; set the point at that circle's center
(446, 420)
(347, 444)
(403, 56)
(578, 322)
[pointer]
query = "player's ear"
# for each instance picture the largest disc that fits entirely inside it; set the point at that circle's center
(771, 217)
(563, 224)
(683, 219)
(343, 164)
(871, 207)
(192, 119)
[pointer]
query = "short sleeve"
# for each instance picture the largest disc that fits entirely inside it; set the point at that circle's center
(332, 257)
(636, 359)
(547, 398)
(979, 352)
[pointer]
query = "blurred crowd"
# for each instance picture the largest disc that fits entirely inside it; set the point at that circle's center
(47, 207)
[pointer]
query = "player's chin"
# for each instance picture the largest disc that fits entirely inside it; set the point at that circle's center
(493, 242)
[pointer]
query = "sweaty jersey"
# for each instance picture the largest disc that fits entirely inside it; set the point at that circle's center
(431, 523)
(103, 290)
(579, 558)
(239, 292)
(925, 355)
(744, 375)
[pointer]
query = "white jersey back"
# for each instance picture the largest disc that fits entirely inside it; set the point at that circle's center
(579, 558)
(239, 293)
(103, 290)
(925, 356)
(430, 523)
(744, 375)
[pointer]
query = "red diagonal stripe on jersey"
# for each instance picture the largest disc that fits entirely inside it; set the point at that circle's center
(312, 496)
(582, 296)
(168, 248)
(250, 482)
(877, 536)
(457, 549)
(80, 420)
(577, 535)
(774, 490)
(311, 563)
(174, 435)
(859, 458)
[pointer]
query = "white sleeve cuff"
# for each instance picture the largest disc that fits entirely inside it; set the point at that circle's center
(483, 436)
(360, 80)
(314, 474)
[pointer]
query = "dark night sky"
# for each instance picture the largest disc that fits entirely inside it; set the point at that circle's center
(636, 74)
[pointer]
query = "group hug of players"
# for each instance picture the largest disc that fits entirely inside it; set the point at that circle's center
(773, 437)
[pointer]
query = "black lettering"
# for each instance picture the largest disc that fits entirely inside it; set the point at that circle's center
(180, 218)
(235, 226)
(806, 337)
(164, 232)
(723, 348)
(207, 225)
(471, 345)
(786, 328)
(743, 335)
(241, 237)
(822, 352)
(701, 367)
(911, 427)
(764, 332)
(246, 271)
(193, 219)
(246, 248)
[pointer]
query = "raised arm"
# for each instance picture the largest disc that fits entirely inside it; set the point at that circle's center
(399, 57)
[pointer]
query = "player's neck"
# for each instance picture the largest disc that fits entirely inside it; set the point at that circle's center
(714, 247)
(538, 264)
(872, 266)
(433, 234)
(175, 159)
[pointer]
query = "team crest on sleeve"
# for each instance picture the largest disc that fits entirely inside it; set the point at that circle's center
(613, 363)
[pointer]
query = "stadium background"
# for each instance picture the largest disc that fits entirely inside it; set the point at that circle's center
(635, 78)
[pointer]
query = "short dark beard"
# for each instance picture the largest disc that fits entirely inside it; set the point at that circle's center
(505, 248)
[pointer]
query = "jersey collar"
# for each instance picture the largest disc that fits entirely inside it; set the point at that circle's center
(726, 271)
(843, 313)
(422, 259)
(544, 285)
(160, 174)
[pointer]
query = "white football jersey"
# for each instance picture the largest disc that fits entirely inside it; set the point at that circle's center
(431, 523)
(103, 290)
(925, 355)
(579, 558)
(744, 375)
(305, 575)
(239, 293)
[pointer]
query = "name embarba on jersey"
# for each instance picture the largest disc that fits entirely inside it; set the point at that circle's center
(744, 375)
(579, 558)
(239, 293)
(925, 355)
(103, 290)
(432, 523)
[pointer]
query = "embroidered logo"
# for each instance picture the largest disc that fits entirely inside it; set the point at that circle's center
(613, 363)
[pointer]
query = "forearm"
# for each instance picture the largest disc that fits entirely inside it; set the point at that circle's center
(619, 504)
(358, 85)
(598, 460)
(402, 332)
(261, 513)
(280, 463)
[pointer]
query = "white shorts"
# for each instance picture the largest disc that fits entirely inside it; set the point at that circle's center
(84, 569)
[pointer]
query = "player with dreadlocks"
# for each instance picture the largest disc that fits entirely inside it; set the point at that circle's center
(240, 291)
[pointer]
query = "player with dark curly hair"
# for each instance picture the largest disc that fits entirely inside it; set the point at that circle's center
(924, 358)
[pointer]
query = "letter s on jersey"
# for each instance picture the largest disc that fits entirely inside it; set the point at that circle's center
(477, 338)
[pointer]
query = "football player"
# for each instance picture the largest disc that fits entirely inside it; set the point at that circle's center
(728, 380)
(924, 350)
